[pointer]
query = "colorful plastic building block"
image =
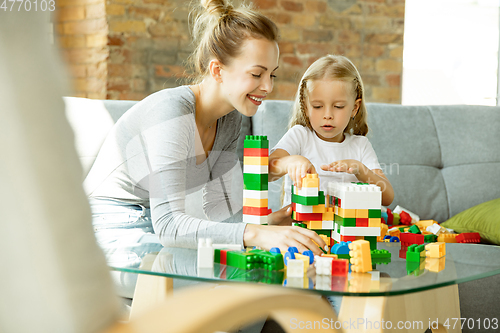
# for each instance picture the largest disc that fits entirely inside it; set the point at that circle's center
(360, 256)
(408, 239)
(323, 265)
(414, 229)
(435, 250)
(205, 253)
(340, 267)
(414, 217)
(404, 218)
(447, 238)
(415, 252)
(469, 237)
(295, 268)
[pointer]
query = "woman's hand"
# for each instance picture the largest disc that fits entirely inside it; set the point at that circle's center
(298, 168)
(350, 166)
(267, 237)
(281, 217)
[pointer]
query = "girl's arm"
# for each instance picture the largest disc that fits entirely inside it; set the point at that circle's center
(365, 175)
(296, 166)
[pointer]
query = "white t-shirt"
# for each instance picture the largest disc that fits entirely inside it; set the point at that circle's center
(300, 140)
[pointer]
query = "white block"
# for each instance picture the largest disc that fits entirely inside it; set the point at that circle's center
(205, 253)
(335, 235)
(323, 266)
(257, 169)
(436, 229)
(303, 208)
(253, 194)
(255, 219)
(327, 225)
(414, 217)
(295, 268)
(359, 231)
(307, 191)
(323, 282)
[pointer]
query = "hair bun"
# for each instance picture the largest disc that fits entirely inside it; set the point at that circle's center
(214, 7)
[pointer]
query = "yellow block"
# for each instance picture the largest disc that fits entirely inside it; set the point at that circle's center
(305, 259)
(435, 250)
(319, 209)
(383, 231)
(447, 238)
(255, 202)
(346, 213)
(328, 216)
(423, 224)
(336, 210)
(315, 224)
(375, 222)
(334, 256)
(255, 160)
(362, 213)
(435, 264)
(395, 232)
(361, 260)
(310, 180)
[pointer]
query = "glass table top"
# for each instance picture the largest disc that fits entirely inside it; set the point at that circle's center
(462, 263)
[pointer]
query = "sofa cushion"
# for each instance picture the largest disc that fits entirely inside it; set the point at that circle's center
(483, 218)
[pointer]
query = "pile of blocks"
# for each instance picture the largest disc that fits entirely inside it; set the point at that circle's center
(256, 179)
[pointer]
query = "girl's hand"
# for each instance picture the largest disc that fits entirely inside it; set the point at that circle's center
(281, 217)
(267, 237)
(298, 169)
(350, 166)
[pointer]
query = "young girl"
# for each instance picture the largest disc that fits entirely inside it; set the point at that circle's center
(327, 131)
(182, 139)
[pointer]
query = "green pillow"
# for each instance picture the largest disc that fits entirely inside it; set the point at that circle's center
(483, 218)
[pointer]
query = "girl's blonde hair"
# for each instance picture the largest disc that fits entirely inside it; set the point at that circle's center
(331, 67)
(219, 31)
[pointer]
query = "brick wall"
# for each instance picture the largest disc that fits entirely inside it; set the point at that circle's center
(148, 42)
(81, 29)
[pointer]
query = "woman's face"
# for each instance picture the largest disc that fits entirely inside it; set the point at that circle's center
(249, 77)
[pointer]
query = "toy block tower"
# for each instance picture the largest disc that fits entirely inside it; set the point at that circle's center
(255, 178)
(357, 208)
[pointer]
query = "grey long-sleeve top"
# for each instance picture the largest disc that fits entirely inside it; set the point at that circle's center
(149, 158)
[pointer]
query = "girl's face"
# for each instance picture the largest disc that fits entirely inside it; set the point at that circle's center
(249, 78)
(330, 106)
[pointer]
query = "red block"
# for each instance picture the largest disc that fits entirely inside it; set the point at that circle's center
(340, 205)
(340, 267)
(261, 211)
(223, 257)
(308, 216)
(361, 222)
(404, 218)
(469, 237)
(407, 239)
(255, 152)
(347, 238)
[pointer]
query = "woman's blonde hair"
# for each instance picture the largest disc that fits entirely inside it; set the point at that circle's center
(219, 31)
(331, 67)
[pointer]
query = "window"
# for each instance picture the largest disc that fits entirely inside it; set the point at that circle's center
(451, 52)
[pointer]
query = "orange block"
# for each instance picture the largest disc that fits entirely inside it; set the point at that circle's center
(310, 180)
(447, 238)
(361, 260)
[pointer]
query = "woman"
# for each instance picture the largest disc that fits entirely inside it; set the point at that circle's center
(178, 140)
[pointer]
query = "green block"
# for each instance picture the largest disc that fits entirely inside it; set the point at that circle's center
(374, 213)
(373, 242)
(413, 252)
(380, 254)
(326, 232)
(380, 261)
(345, 221)
(299, 224)
(256, 178)
(430, 238)
(242, 260)
(308, 201)
(256, 186)
(413, 268)
(270, 261)
(414, 230)
(256, 141)
(217, 256)
(321, 198)
(343, 256)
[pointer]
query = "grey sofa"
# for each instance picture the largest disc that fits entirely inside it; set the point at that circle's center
(440, 160)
